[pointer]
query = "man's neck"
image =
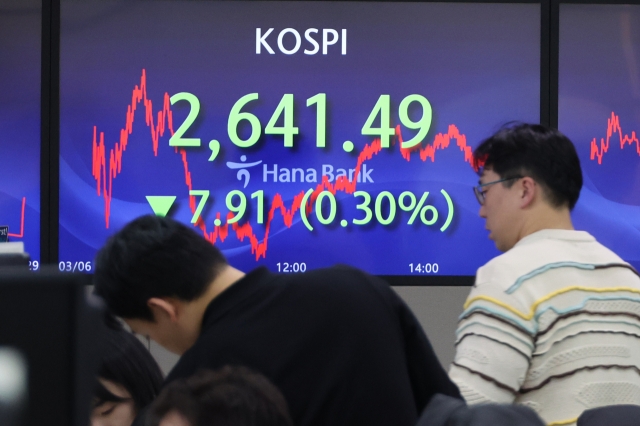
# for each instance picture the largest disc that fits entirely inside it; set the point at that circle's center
(225, 279)
(546, 217)
(193, 312)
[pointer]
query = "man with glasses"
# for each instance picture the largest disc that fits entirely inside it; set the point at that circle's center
(554, 322)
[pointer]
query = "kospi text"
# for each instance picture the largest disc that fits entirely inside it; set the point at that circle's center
(289, 40)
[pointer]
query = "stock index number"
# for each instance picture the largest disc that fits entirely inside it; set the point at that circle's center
(284, 113)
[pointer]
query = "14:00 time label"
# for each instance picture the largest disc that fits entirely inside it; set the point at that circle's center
(423, 268)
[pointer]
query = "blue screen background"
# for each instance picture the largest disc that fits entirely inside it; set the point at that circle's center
(599, 86)
(20, 40)
(477, 64)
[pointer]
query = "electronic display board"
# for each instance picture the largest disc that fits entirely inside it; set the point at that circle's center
(294, 135)
(599, 110)
(20, 52)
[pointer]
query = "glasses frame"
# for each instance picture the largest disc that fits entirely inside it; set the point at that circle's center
(479, 191)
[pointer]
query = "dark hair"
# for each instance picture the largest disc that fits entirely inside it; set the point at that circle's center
(231, 396)
(543, 153)
(126, 362)
(154, 257)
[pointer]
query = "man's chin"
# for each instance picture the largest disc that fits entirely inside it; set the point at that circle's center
(498, 245)
(502, 247)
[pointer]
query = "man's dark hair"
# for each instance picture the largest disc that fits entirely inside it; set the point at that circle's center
(126, 362)
(154, 257)
(543, 153)
(231, 396)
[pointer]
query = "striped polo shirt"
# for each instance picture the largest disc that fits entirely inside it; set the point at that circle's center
(554, 324)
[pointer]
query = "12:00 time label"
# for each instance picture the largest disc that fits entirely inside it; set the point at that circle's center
(294, 267)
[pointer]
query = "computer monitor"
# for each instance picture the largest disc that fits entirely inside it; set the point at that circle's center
(45, 317)
(20, 65)
(292, 134)
(599, 110)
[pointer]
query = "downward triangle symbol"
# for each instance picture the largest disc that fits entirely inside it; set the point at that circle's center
(161, 204)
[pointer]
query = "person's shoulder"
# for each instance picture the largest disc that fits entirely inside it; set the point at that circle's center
(203, 354)
(544, 249)
(339, 281)
(333, 276)
(185, 367)
(342, 269)
(568, 245)
(503, 270)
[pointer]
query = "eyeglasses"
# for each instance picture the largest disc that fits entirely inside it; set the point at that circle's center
(479, 191)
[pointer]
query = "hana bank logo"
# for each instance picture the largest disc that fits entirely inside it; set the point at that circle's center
(243, 173)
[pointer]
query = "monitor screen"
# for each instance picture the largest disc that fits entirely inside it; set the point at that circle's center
(46, 317)
(599, 110)
(294, 135)
(20, 34)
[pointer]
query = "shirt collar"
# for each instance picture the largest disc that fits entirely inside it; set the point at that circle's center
(235, 293)
(556, 234)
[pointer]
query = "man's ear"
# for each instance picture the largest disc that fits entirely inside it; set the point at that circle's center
(529, 190)
(163, 307)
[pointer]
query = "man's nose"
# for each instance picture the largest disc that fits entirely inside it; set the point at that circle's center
(482, 212)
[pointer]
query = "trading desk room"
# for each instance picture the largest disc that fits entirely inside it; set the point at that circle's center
(319, 212)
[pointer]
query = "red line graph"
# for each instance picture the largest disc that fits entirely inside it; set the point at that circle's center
(21, 234)
(115, 155)
(613, 126)
(104, 175)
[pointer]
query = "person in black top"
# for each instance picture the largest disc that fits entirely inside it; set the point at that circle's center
(342, 347)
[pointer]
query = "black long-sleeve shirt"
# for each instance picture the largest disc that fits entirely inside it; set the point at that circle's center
(342, 347)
